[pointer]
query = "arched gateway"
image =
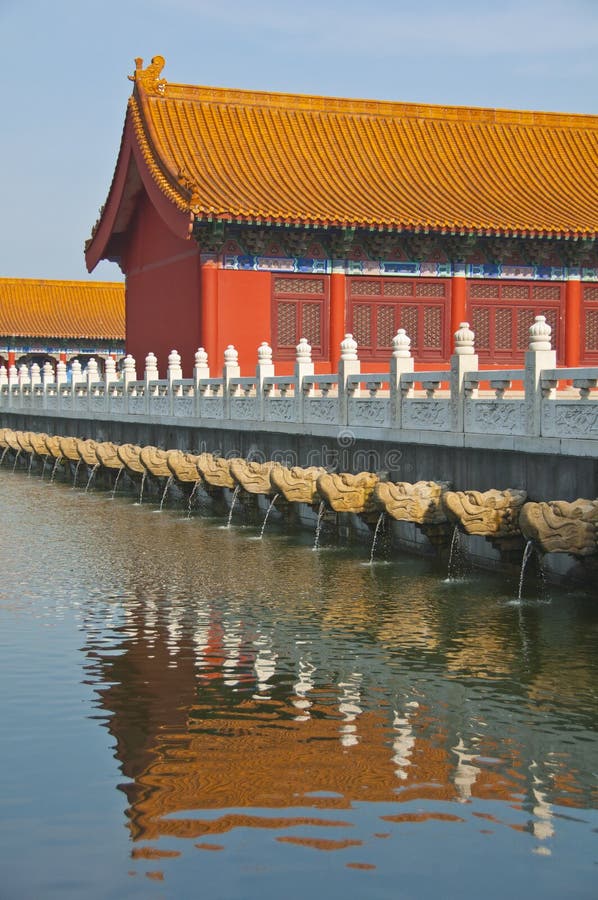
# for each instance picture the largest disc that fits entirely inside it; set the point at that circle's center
(242, 216)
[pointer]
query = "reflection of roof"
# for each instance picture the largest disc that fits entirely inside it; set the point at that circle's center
(69, 309)
(249, 155)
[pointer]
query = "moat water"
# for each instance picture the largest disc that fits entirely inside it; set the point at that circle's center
(188, 711)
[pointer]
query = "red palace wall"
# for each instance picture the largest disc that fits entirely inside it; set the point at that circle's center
(163, 295)
(243, 316)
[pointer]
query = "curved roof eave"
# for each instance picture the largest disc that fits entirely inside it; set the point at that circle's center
(108, 227)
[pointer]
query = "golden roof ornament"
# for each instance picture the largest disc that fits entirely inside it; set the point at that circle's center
(149, 78)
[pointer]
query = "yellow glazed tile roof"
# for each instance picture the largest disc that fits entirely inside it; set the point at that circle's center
(69, 309)
(251, 156)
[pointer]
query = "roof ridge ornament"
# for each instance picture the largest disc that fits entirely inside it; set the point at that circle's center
(149, 78)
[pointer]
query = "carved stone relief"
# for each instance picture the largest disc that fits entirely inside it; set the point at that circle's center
(561, 526)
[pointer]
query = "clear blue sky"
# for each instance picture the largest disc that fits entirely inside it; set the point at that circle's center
(65, 87)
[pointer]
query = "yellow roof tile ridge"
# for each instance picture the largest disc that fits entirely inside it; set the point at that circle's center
(367, 107)
(62, 282)
(150, 158)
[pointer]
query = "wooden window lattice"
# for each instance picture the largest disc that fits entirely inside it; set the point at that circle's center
(590, 293)
(398, 289)
(408, 320)
(591, 330)
(433, 327)
(311, 323)
(365, 287)
(385, 323)
(481, 326)
(287, 324)
(483, 291)
(546, 292)
(430, 290)
(362, 325)
(503, 329)
(299, 285)
(515, 292)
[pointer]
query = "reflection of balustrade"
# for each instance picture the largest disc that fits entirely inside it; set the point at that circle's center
(537, 400)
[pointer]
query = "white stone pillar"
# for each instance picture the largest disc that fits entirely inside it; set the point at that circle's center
(110, 375)
(463, 360)
(61, 376)
(231, 370)
(348, 364)
(401, 361)
(36, 377)
(201, 369)
(77, 376)
(23, 376)
(92, 374)
(539, 356)
(303, 366)
(264, 369)
(47, 374)
(174, 371)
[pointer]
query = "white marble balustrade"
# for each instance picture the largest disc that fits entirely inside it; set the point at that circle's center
(536, 401)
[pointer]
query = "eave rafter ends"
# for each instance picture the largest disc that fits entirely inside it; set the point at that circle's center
(251, 159)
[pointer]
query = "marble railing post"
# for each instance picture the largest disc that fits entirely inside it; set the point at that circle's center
(92, 374)
(201, 369)
(77, 377)
(110, 375)
(3, 376)
(539, 356)
(401, 361)
(303, 366)
(349, 364)
(13, 380)
(231, 370)
(174, 373)
(463, 360)
(150, 375)
(264, 369)
(47, 374)
(23, 376)
(35, 375)
(129, 374)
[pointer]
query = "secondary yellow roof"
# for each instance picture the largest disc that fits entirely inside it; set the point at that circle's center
(68, 309)
(251, 156)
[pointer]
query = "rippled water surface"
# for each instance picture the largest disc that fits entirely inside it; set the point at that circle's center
(190, 712)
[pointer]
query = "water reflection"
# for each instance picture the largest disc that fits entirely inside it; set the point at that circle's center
(257, 685)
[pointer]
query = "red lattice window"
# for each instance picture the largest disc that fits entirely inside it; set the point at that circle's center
(503, 328)
(298, 285)
(481, 290)
(432, 328)
(395, 288)
(591, 331)
(503, 311)
(515, 292)
(589, 320)
(385, 326)
(362, 325)
(480, 322)
(375, 321)
(299, 309)
(546, 292)
(408, 319)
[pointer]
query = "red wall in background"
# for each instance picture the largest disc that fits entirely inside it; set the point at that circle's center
(244, 317)
(163, 292)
